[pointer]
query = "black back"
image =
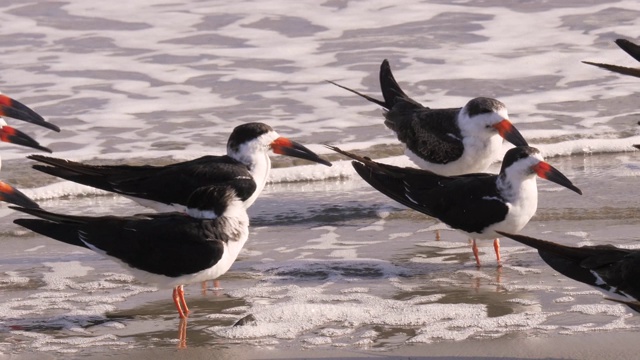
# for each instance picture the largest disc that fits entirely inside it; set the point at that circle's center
(171, 184)
(432, 134)
(170, 244)
(468, 202)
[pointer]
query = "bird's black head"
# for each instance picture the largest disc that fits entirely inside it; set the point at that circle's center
(483, 105)
(246, 132)
(517, 153)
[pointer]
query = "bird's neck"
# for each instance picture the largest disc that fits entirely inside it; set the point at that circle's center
(259, 169)
(518, 188)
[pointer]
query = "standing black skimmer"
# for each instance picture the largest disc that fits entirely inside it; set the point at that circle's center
(169, 249)
(631, 49)
(445, 141)
(476, 204)
(167, 188)
(613, 270)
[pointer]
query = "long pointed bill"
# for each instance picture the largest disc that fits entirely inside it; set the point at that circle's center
(287, 147)
(11, 135)
(17, 110)
(546, 171)
(510, 133)
(12, 195)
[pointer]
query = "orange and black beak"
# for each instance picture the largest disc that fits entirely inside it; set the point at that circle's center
(546, 171)
(11, 135)
(510, 133)
(288, 147)
(12, 195)
(17, 110)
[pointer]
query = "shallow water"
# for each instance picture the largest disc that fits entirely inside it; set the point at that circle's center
(331, 263)
(158, 78)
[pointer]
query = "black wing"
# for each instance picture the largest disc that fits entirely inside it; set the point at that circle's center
(170, 244)
(605, 266)
(467, 202)
(171, 184)
(432, 134)
(631, 49)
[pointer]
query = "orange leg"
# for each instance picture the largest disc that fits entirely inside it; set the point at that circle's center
(178, 299)
(474, 247)
(496, 247)
(183, 302)
(437, 235)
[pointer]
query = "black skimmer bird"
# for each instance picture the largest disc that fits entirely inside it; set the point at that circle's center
(245, 167)
(445, 141)
(613, 270)
(476, 204)
(168, 249)
(631, 49)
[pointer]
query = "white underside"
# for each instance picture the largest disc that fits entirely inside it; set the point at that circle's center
(478, 155)
(522, 203)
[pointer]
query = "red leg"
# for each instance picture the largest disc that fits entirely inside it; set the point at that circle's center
(176, 300)
(496, 247)
(183, 302)
(474, 247)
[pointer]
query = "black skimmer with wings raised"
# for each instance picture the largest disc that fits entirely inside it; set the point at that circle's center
(476, 204)
(448, 142)
(245, 167)
(631, 49)
(168, 249)
(614, 271)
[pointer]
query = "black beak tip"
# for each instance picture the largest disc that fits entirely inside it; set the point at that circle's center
(325, 162)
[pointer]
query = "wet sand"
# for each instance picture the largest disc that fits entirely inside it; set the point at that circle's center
(335, 270)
